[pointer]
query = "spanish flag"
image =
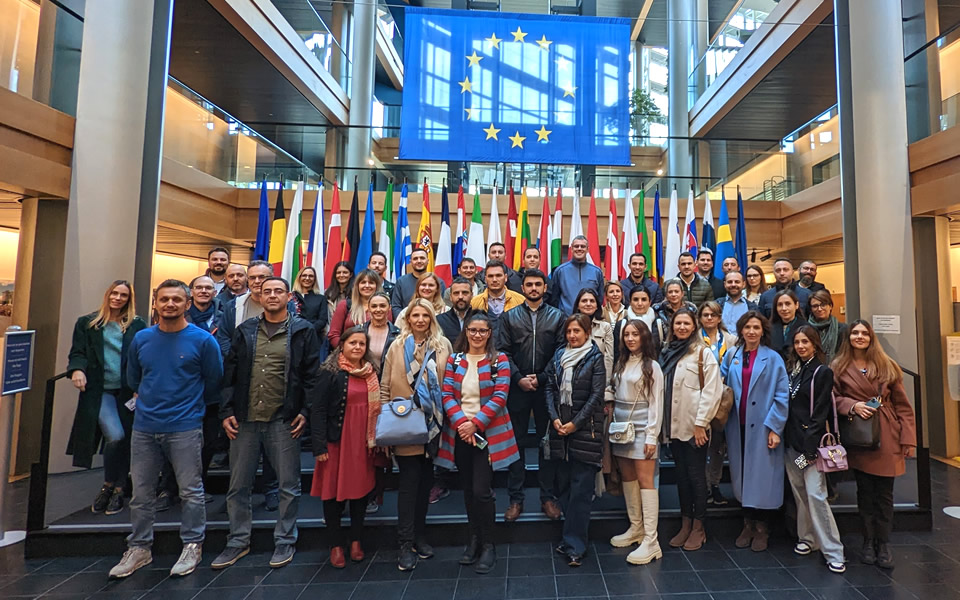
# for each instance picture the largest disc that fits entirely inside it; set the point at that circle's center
(424, 239)
(278, 233)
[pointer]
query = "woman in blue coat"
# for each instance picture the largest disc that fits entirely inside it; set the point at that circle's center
(761, 389)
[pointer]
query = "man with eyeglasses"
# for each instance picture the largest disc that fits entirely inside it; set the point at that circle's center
(574, 275)
(808, 277)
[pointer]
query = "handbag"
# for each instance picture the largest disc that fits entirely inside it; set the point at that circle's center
(719, 420)
(402, 421)
(860, 432)
(623, 432)
(831, 456)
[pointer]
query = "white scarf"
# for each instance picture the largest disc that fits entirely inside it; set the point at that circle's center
(647, 318)
(570, 358)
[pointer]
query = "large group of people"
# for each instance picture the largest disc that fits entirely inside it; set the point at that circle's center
(614, 374)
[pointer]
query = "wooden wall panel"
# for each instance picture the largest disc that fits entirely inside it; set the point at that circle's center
(36, 147)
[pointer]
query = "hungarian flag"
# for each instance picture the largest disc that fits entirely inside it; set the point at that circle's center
(315, 248)
(334, 248)
(593, 236)
(442, 269)
(511, 238)
(523, 231)
(387, 233)
(611, 264)
(629, 241)
(543, 238)
(278, 233)
(475, 233)
(493, 233)
(424, 235)
(460, 242)
(293, 247)
(556, 226)
(352, 243)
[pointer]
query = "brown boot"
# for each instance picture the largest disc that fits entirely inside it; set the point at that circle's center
(681, 538)
(760, 537)
(746, 536)
(696, 538)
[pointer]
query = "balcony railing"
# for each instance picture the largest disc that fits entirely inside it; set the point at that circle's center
(933, 86)
(319, 39)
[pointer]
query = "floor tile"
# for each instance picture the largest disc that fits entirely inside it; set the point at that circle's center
(351, 573)
(381, 590)
(939, 591)
(671, 583)
(200, 578)
(82, 583)
(685, 597)
(331, 591)
(741, 595)
(727, 580)
(481, 589)
(635, 582)
(839, 593)
(292, 574)
(573, 586)
(748, 559)
(706, 560)
(229, 593)
(531, 565)
(386, 571)
(237, 576)
(771, 579)
(865, 575)
(438, 569)
(33, 585)
(430, 589)
(786, 595)
(890, 592)
(499, 570)
(816, 577)
(529, 549)
(276, 592)
(68, 564)
(519, 588)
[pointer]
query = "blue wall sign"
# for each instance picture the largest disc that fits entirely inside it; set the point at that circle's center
(17, 361)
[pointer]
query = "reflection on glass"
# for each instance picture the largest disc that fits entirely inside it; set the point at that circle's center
(302, 15)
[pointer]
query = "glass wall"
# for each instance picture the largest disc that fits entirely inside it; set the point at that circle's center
(933, 86)
(319, 39)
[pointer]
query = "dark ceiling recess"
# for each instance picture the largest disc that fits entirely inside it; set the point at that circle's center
(656, 27)
(211, 57)
(798, 89)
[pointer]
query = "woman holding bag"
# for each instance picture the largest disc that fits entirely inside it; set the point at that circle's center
(420, 345)
(477, 436)
(869, 385)
(811, 408)
(636, 395)
(756, 374)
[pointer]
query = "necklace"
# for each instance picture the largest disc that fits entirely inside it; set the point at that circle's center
(796, 377)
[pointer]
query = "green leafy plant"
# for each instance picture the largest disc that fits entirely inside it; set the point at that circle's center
(643, 112)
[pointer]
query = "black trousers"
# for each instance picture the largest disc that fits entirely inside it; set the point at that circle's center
(476, 479)
(691, 464)
(413, 496)
(520, 404)
(875, 502)
(333, 513)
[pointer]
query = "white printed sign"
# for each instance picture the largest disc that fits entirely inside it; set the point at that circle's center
(886, 323)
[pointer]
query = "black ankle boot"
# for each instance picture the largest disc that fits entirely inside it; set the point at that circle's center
(884, 556)
(407, 559)
(487, 560)
(472, 552)
(868, 555)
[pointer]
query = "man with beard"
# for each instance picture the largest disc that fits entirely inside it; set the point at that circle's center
(498, 252)
(783, 274)
(406, 286)
(808, 276)
(451, 322)
(236, 279)
(496, 299)
(217, 261)
(705, 268)
(530, 335)
(638, 278)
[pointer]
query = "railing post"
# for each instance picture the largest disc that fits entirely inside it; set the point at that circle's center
(37, 504)
(924, 492)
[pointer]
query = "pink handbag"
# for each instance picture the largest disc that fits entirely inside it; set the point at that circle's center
(831, 456)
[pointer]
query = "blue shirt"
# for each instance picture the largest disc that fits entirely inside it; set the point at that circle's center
(569, 278)
(732, 311)
(112, 346)
(173, 373)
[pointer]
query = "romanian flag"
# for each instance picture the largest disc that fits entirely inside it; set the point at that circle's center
(424, 239)
(523, 231)
(278, 233)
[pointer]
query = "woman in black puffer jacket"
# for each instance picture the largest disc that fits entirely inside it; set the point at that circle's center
(574, 394)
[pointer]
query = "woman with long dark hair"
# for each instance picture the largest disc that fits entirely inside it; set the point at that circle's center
(477, 435)
(869, 385)
(756, 283)
(575, 380)
(787, 317)
(341, 286)
(635, 395)
(691, 395)
(808, 420)
(601, 332)
(343, 427)
(756, 373)
(98, 368)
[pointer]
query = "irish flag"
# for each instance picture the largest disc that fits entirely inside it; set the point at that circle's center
(293, 247)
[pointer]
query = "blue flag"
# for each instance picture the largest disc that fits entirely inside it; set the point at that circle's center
(657, 238)
(261, 250)
(401, 253)
(724, 240)
(741, 245)
(520, 88)
(365, 249)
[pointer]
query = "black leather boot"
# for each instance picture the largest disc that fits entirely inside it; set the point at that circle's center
(487, 560)
(472, 552)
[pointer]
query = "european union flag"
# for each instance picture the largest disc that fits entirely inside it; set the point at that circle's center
(518, 88)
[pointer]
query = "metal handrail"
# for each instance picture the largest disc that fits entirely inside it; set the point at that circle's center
(924, 492)
(39, 471)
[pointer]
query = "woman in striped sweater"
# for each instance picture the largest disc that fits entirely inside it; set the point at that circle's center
(477, 435)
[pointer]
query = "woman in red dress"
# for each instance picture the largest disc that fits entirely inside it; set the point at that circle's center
(343, 424)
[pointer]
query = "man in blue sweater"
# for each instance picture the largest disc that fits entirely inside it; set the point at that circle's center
(574, 275)
(175, 368)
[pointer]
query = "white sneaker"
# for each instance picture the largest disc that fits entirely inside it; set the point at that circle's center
(188, 561)
(134, 558)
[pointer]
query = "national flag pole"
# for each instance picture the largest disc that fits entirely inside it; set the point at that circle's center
(576, 222)
(655, 264)
(709, 237)
(688, 241)
(593, 235)
(630, 243)
(611, 264)
(387, 233)
(510, 241)
(334, 242)
(278, 233)
(315, 256)
(365, 248)
(556, 235)
(724, 239)
(352, 241)
(493, 232)
(523, 231)
(293, 246)
(401, 253)
(544, 233)
(672, 254)
(443, 268)
(475, 247)
(460, 242)
(261, 250)
(424, 239)
(741, 245)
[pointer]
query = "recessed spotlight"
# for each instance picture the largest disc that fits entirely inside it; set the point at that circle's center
(659, 171)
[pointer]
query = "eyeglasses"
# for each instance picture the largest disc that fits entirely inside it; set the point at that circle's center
(257, 277)
(207, 288)
(707, 315)
(817, 306)
(475, 331)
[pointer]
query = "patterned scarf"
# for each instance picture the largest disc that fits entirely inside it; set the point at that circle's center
(569, 360)
(429, 389)
(369, 376)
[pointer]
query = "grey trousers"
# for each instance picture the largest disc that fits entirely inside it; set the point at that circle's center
(815, 522)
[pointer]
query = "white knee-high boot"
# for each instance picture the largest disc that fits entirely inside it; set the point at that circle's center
(649, 548)
(633, 535)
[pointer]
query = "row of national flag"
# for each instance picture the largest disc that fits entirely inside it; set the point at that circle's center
(280, 239)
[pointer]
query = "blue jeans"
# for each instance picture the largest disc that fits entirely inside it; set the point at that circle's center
(283, 452)
(148, 451)
(575, 484)
(116, 446)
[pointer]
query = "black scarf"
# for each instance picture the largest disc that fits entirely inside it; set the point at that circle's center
(201, 318)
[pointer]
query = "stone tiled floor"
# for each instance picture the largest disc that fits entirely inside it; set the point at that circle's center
(928, 568)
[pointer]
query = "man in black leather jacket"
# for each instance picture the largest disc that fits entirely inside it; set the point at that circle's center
(530, 335)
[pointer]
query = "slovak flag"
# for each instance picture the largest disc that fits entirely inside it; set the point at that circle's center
(689, 242)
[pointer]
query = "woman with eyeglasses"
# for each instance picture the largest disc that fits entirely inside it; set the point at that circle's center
(719, 340)
(832, 332)
(869, 385)
(807, 423)
(756, 283)
(477, 435)
(311, 304)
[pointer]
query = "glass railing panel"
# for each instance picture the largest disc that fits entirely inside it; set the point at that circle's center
(933, 87)
(389, 26)
(319, 39)
(42, 64)
(206, 138)
(743, 22)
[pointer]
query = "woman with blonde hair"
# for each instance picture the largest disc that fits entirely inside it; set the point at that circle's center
(353, 311)
(614, 308)
(311, 304)
(98, 368)
(430, 288)
(869, 385)
(420, 345)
